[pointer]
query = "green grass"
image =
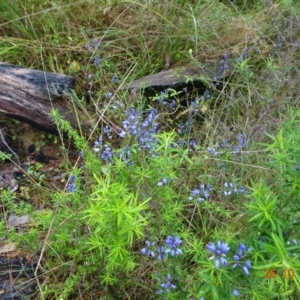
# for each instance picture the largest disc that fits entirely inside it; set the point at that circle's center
(88, 241)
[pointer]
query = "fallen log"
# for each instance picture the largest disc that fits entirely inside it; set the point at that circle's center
(29, 95)
(189, 77)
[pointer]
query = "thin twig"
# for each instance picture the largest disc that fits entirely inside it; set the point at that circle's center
(11, 150)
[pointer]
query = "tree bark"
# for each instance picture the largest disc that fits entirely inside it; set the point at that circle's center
(29, 95)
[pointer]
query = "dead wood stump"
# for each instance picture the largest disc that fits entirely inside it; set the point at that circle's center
(29, 95)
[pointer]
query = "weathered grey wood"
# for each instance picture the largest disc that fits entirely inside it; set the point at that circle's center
(177, 78)
(29, 95)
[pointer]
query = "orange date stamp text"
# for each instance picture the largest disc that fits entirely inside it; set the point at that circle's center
(286, 273)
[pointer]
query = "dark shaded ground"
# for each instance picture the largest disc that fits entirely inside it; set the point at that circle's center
(17, 279)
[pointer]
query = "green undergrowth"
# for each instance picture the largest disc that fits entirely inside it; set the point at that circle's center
(185, 195)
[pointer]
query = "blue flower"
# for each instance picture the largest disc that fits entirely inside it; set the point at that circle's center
(98, 144)
(161, 254)
(194, 108)
(173, 243)
(130, 125)
(279, 43)
(222, 166)
(173, 105)
(87, 46)
(180, 142)
(222, 67)
(293, 241)
(144, 130)
(235, 293)
(224, 144)
(117, 104)
(105, 150)
(108, 131)
(125, 155)
(163, 182)
(242, 141)
(231, 189)
(193, 143)
(147, 131)
(163, 96)
(212, 151)
(201, 194)
(244, 55)
(206, 96)
(242, 144)
(96, 43)
(147, 250)
(71, 188)
(167, 286)
(262, 239)
(115, 78)
(239, 259)
(97, 61)
(107, 153)
(185, 127)
(219, 251)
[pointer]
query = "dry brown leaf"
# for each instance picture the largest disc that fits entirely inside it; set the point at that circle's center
(7, 247)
